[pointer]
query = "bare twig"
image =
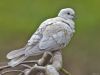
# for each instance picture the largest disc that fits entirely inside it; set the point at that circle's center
(31, 61)
(4, 67)
(65, 71)
(11, 71)
(27, 66)
(25, 62)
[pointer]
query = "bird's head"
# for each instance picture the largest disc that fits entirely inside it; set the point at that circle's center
(67, 13)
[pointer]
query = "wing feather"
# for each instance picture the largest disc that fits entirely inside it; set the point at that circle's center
(53, 36)
(15, 53)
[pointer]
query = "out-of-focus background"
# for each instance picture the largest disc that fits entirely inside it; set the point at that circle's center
(20, 18)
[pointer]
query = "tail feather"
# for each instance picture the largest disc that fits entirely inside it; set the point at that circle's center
(16, 53)
(16, 61)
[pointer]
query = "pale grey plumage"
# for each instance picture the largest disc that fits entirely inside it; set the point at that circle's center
(53, 34)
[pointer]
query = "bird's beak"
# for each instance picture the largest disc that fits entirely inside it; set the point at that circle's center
(74, 17)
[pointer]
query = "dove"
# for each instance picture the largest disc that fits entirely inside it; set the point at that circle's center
(52, 34)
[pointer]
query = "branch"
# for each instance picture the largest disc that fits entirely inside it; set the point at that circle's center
(25, 62)
(48, 64)
(11, 71)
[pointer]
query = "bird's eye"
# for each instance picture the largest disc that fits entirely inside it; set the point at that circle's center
(68, 13)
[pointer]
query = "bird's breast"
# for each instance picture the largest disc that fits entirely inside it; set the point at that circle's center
(53, 29)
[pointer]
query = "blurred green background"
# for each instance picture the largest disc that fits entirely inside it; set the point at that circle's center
(20, 18)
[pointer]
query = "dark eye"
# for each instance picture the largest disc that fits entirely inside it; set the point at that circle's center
(68, 13)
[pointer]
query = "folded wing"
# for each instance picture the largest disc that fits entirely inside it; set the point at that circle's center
(54, 37)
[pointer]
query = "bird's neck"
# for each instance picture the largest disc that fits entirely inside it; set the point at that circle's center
(63, 16)
(69, 22)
